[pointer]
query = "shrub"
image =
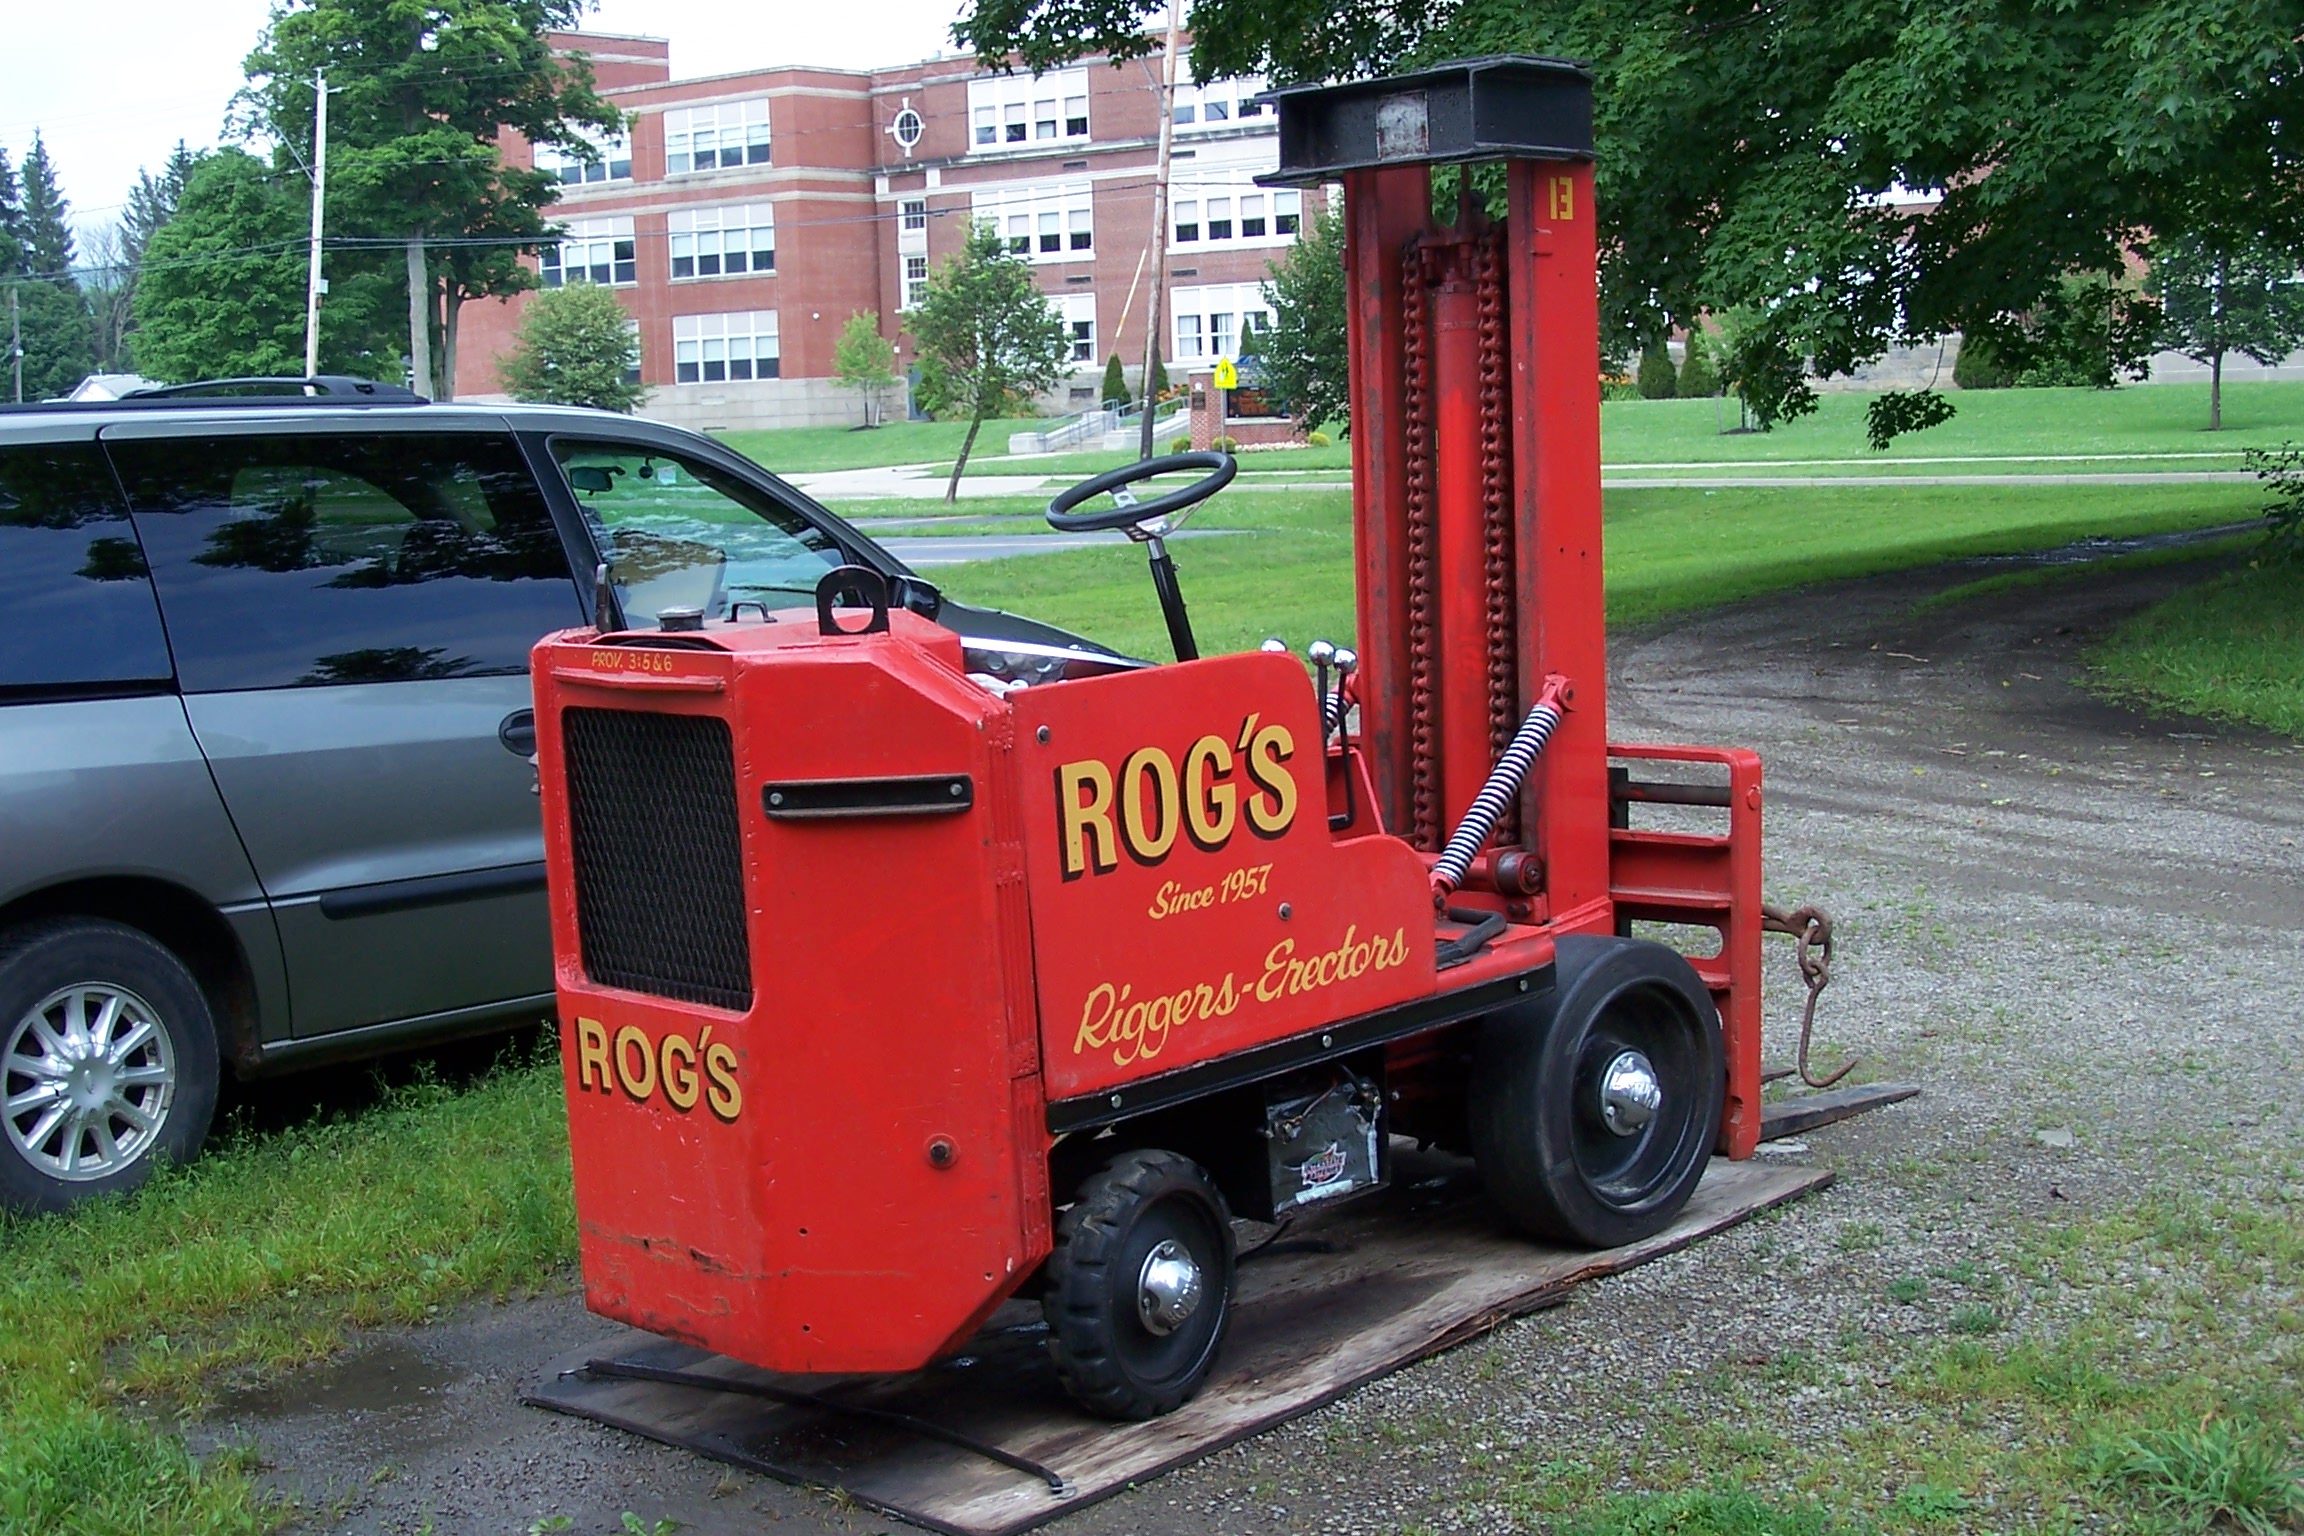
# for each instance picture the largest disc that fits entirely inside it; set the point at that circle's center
(1115, 383)
(1156, 387)
(1180, 445)
(1224, 444)
(1657, 379)
(575, 347)
(1979, 366)
(1699, 370)
(1317, 440)
(1613, 387)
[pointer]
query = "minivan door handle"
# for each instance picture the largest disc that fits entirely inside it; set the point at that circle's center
(518, 733)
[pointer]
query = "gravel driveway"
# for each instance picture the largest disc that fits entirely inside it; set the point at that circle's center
(2079, 928)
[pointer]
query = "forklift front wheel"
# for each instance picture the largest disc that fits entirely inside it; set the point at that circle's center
(1594, 1111)
(1140, 1285)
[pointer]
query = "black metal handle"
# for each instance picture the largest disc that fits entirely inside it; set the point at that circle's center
(518, 733)
(869, 589)
(1061, 515)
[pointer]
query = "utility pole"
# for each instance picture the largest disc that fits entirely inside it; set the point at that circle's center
(314, 284)
(16, 343)
(1160, 225)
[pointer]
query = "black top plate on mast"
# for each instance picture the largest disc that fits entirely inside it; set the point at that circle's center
(1507, 106)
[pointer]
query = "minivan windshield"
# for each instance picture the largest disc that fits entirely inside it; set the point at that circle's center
(680, 534)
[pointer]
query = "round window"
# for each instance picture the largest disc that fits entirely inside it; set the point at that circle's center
(908, 128)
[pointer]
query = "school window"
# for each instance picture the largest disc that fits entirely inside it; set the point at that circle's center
(1187, 336)
(632, 372)
(1079, 312)
(1217, 104)
(596, 159)
(1007, 110)
(1043, 223)
(915, 281)
(593, 251)
(1287, 209)
(1219, 218)
(1187, 222)
(1230, 207)
(1209, 319)
(714, 138)
(915, 212)
(1252, 218)
(710, 349)
(722, 242)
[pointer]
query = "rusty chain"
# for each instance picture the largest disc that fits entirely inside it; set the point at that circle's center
(1423, 542)
(1814, 931)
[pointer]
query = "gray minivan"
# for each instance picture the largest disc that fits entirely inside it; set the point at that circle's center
(265, 790)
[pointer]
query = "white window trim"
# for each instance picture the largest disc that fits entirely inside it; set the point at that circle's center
(685, 224)
(695, 338)
(1198, 303)
(744, 116)
(612, 148)
(999, 100)
(1024, 210)
(587, 235)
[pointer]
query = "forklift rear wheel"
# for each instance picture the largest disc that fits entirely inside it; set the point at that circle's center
(1140, 1285)
(1594, 1111)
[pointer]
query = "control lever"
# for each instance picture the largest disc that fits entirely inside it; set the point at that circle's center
(1321, 653)
(1347, 662)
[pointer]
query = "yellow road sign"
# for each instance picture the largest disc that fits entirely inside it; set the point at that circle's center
(1227, 375)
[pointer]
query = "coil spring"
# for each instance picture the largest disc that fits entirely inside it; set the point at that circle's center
(1495, 797)
(1416, 420)
(1496, 504)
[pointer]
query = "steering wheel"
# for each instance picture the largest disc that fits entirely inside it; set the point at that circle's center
(1129, 512)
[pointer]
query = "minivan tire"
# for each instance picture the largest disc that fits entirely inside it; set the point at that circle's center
(108, 1061)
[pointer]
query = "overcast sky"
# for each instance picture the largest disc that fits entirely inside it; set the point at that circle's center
(113, 84)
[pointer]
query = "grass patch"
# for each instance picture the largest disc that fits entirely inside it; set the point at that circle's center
(1705, 1512)
(2235, 1472)
(2082, 570)
(1288, 572)
(812, 450)
(259, 1256)
(2231, 648)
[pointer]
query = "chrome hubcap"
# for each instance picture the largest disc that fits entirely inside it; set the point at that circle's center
(86, 1081)
(1167, 1288)
(1629, 1094)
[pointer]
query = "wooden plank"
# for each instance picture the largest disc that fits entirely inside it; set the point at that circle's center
(1789, 1117)
(1340, 1298)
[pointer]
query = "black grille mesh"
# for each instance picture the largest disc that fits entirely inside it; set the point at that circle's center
(659, 865)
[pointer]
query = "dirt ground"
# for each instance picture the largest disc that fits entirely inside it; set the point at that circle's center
(2077, 927)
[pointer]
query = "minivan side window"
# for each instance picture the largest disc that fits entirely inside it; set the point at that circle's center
(684, 534)
(73, 584)
(306, 560)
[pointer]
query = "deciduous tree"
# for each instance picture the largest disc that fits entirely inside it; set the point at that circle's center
(2227, 292)
(1763, 157)
(576, 346)
(421, 99)
(989, 339)
(1304, 352)
(865, 361)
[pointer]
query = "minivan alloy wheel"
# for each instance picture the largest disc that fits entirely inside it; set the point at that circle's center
(88, 1076)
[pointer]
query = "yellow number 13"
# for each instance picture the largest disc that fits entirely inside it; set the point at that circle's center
(1563, 199)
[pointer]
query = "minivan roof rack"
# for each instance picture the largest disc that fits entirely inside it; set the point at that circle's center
(322, 386)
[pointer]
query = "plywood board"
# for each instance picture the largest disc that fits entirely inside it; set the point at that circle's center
(1340, 1298)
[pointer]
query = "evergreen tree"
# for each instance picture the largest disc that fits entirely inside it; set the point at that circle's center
(1657, 380)
(152, 202)
(1115, 391)
(11, 218)
(59, 337)
(1699, 373)
(1157, 385)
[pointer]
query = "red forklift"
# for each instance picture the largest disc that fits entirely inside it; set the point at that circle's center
(900, 973)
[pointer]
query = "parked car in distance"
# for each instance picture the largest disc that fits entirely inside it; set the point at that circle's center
(265, 728)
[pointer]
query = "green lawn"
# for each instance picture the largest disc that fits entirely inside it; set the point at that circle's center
(267, 1251)
(1286, 569)
(809, 450)
(2154, 419)
(2231, 648)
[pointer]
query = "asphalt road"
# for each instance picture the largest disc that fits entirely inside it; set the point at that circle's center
(2030, 886)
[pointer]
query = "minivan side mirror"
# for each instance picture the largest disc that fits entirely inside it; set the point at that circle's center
(916, 594)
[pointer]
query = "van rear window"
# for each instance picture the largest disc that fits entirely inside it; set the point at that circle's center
(75, 596)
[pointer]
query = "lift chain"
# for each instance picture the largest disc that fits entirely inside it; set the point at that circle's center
(1814, 931)
(1423, 545)
(1496, 508)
